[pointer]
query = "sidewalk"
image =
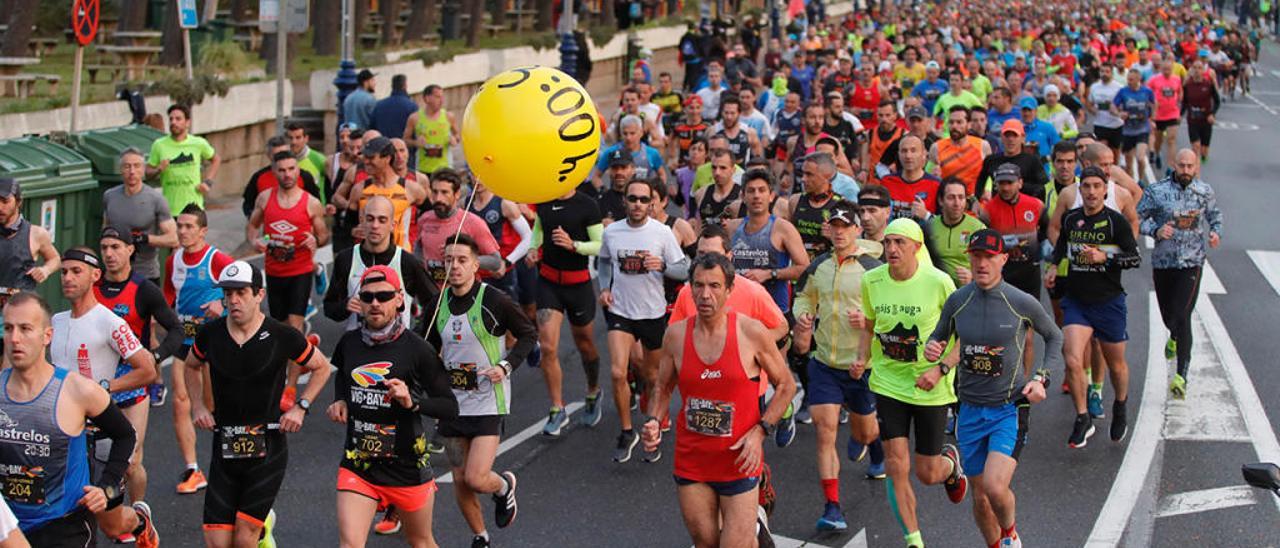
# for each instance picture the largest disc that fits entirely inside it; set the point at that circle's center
(226, 227)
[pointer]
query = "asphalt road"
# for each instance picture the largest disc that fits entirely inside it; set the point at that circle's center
(1180, 484)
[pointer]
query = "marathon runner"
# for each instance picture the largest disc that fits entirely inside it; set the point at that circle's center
(1093, 304)
(902, 300)
(950, 230)
(800, 145)
(293, 227)
(647, 159)
(1098, 100)
(874, 208)
(1181, 213)
(47, 481)
(433, 130)
(310, 161)
(829, 297)
(635, 257)
(141, 212)
(178, 161)
(914, 191)
(265, 179)
(139, 303)
(882, 148)
(469, 329)
(808, 210)
(721, 426)
(1034, 177)
(1019, 219)
(444, 221)
(509, 228)
(250, 454)
(21, 243)
(1167, 89)
(960, 155)
(612, 194)
(990, 320)
(744, 142)
(766, 249)
(387, 378)
(711, 203)
(691, 127)
(92, 340)
(574, 230)
(190, 289)
(1135, 104)
(1200, 102)
(383, 180)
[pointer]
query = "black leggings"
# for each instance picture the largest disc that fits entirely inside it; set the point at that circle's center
(1176, 292)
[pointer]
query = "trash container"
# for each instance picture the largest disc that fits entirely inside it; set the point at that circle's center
(58, 191)
(103, 147)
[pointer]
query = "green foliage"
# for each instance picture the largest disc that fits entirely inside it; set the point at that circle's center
(442, 54)
(189, 92)
(226, 58)
(52, 17)
(542, 40)
(601, 34)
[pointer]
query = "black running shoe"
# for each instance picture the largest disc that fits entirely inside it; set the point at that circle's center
(504, 506)
(1081, 431)
(1119, 421)
(479, 542)
(627, 441)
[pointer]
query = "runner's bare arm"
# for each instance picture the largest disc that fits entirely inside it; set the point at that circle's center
(316, 211)
(794, 246)
(770, 362)
(42, 243)
(255, 219)
(143, 370)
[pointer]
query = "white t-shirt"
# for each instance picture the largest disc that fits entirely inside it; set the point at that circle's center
(105, 338)
(1102, 95)
(637, 291)
(8, 521)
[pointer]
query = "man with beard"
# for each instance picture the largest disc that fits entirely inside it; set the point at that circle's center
(961, 154)
(744, 143)
(802, 145)
(882, 148)
(444, 220)
(178, 159)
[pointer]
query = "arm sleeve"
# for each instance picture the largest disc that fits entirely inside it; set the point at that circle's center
(309, 184)
(341, 381)
(946, 321)
(522, 228)
(604, 271)
(1147, 210)
(431, 390)
(678, 269)
(535, 240)
(592, 246)
(1128, 256)
(335, 298)
(151, 298)
(1045, 326)
(677, 262)
(416, 282)
(1212, 214)
(250, 196)
(115, 426)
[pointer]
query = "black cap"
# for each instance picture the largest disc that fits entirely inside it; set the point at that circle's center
(380, 146)
(114, 233)
(1007, 172)
(843, 211)
(986, 241)
(364, 76)
(620, 157)
(240, 274)
(917, 112)
(10, 188)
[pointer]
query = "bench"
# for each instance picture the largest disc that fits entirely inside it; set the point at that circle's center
(370, 40)
(24, 84)
(40, 46)
(115, 70)
(493, 30)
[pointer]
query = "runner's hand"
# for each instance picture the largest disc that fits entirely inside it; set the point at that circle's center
(291, 421)
(858, 368)
(653, 263)
(1214, 240)
(933, 350)
(38, 274)
(531, 258)
(260, 245)
(353, 305)
(1165, 231)
(94, 499)
(927, 380)
(202, 188)
(310, 241)
(1050, 277)
(963, 275)
(398, 392)
(337, 412)
(1034, 392)
(606, 298)
(1093, 255)
(330, 209)
(212, 309)
(495, 374)
(804, 323)
(857, 319)
(757, 275)
(651, 435)
(918, 209)
(561, 238)
(749, 450)
(202, 419)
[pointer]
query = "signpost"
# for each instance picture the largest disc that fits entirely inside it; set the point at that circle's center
(188, 18)
(282, 17)
(85, 15)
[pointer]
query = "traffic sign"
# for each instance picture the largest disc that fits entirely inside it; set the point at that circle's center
(188, 16)
(297, 15)
(84, 20)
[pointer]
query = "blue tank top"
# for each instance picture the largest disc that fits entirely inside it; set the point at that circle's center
(194, 286)
(756, 251)
(43, 470)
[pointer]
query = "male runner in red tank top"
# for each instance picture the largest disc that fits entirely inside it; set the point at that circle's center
(720, 426)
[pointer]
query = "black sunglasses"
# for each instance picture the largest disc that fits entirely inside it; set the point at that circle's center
(380, 296)
(642, 199)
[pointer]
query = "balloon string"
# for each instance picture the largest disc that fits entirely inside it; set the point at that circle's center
(444, 286)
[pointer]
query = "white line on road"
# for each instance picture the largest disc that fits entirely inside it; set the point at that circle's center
(1209, 282)
(1204, 500)
(1264, 106)
(1268, 262)
(1109, 528)
(858, 541)
(1209, 412)
(510, 443)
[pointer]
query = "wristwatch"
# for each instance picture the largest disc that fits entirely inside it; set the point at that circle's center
(110, 491)
(769, 429)
(305, 404)
(944, 368)
(506, 367)
(105, 384)
(773, 274)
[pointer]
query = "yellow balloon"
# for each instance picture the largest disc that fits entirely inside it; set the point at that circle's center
(531, 134)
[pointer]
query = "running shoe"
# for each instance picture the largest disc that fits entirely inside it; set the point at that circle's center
(288, 398)
(534, 359)
(1170, 349)
(1011, 541)
(191, 482)
(1080, 432)
(764, 537)
(591, 412)
(786, 432)
(389, 524)
(832, 518)
(855, 451)
(1094, 402)
(504, 506)
(875, 471)
(844, 416)
(556, 420)
(479, 542)
(1119, 422)
(803, 416)
(158, 392)
(267, 539)
(126, 538)
(627, 441)
(435, 444)
(957, 484)
(1178, 387)
(322, 280)
(148, 537)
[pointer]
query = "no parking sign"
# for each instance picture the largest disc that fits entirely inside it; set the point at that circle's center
(84, 20)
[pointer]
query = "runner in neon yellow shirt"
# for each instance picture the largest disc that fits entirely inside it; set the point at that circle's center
(178, 159)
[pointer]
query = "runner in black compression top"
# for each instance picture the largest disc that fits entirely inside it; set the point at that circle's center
(809, 211)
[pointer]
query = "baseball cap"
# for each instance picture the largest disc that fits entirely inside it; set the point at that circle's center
(1007, 172)
(917, 112)
(845, 212)
(986, 241)
(9, 187)
(380, 273)
(1050, 88)
(114, 233)
(620, 157)
(364, 75)
(1028, 102)
(932, 65)
(380, 146)
(1012, 125)
(240, 274)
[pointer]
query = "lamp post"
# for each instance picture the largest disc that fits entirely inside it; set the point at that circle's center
(568, 45)
(346, 79)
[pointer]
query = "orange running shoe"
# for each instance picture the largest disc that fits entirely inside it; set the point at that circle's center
(389, 524)
(192, 481)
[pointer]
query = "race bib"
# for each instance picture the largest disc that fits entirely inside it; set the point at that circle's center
(1186, 220)
(632, 262)
(708, 417)
(280, 252)
(900, 347)
(1018, 247)
(433, 151)
(464, 377)
(189, 326)
(435, 269)
(244, 442)
(372, 440)
(24, 484)
(981, 359)
(1167, 92)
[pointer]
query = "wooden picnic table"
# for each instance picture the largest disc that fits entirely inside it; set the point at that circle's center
(40, 46)
(137, 38)
(136, 58)
(11, 66)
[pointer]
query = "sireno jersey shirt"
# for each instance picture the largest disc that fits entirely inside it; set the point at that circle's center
(903, 314)
(95, 344)
(1106, 230)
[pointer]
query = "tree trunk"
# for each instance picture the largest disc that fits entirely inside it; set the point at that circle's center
(476, 9)
(268, 51)
(361, 19)
(326, 22)
(132, 15)
(172, 54)
(417, 25)
(22, 14)
(607, 17)
(545, 9)
(390, 11)
(239, 10)
(496, 10)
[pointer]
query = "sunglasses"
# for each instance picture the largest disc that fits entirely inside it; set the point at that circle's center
(380, 296)
(641, 199)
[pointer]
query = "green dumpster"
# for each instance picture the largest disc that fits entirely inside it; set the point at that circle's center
(103, 147)
(58, 191)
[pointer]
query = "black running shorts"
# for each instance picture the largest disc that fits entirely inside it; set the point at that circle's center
(576, 301)
(244, 489)
(896, 416)
(648, 332)
(288, 296)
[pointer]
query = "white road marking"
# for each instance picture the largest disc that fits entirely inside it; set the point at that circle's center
(1237, 126)
(510, 443)
(1209, 413)
(858, 541)
(1264, 106)
(1206, 499)
(1209, 282)
(1111, 522)
(1268, 262)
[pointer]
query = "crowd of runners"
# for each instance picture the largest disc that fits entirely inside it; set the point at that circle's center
(846, 220)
